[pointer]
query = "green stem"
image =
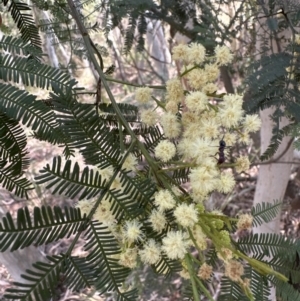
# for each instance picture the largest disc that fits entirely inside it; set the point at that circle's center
(110, 79)
(188, 70)
(205, 291)
(159, 103)
(259, 266)
(195, 244)
(191, 272)
(121, 118)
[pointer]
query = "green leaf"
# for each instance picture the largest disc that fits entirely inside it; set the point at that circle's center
(31, 72)
(24, 21)
(265, 212)
(18, 46)
(21, 106)
(47, 225)
(268, 244)
(40, 282)
(13, 143)
(68, 181)
(109, 274)
(12, 181)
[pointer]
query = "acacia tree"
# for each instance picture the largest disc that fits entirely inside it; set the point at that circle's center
(134, 205)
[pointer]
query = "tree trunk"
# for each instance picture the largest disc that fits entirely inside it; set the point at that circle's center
(272, 178)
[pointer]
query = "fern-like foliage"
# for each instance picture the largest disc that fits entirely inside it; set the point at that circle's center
(167, 266)
(231, 291)
(45, 226)
(133, 200)
(22, 106)
(265, 212)
(278, 135)
(285, 290)
(25, 22)
(13, 156)
(130, 112)
(79, 273)
(85, 130)
(30, 72)
(109, 274)
(259, 284)
(17, 46)
(129, 36)
(271, 85)
(269, 244)
(41, 281)
(69, 181)
(13, 181)
(13, 144)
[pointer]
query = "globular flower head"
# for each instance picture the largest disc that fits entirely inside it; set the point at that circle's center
(212, 72)
(203, 181)
(230, 138)
(227, 183)
(196, 101)
(223, 55)
(165, 150)
(158, 220)
(104, 214)
(151, 252)
(205, 271)
(188, 118)
(230, 116)
(225, 254)
(130, 162)
(172, 107)
(175, 90)
(196, 53)
(149, 117)
(232, 100)
(244, 138)
(180, 52)
(184, 148)
(128, 258)
(252, 123)
(132, 231)
(170, 125)
(186, 215)
(191, 132)
(164, 200)
(201, 149)
(210, 88)
(197, 78)
(143, 95)
(175, 244)
(245, 222)
(242, 164)
(234, 270)
(210, 128)
(184, 273)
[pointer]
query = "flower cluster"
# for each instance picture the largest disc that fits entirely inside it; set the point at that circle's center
(197, 123)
